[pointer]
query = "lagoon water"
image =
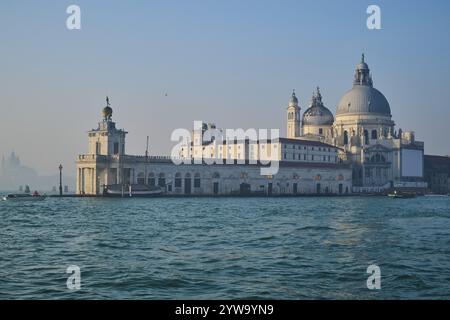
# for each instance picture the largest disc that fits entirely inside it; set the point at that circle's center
(220, 248)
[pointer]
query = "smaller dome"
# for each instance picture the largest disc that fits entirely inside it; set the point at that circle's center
(293, 101)
(317, 114)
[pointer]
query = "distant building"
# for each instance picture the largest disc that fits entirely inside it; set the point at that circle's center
(13, 174)
(437, 173)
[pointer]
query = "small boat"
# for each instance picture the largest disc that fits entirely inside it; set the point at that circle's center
(24, 197)
(134, 190)
(401, 195)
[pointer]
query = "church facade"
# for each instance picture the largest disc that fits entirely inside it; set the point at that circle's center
(381, 156)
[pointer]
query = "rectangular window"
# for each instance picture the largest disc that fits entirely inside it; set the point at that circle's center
(116, 148)
(197, 183)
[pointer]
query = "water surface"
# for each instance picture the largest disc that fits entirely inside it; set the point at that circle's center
(220, 248)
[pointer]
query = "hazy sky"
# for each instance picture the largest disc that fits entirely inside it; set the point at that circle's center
(232, 62)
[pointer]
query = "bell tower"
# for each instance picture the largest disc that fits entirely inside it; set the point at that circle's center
(293, 118)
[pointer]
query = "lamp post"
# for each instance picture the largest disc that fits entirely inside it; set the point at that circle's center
(60, 180)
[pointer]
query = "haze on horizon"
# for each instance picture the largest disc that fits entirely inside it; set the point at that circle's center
(231, 62)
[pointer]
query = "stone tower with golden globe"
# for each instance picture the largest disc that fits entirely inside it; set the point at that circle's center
(107, 140)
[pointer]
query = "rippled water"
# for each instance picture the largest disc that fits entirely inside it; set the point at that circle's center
(219, 248)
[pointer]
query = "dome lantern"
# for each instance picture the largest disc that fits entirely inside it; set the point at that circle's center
(362, 74)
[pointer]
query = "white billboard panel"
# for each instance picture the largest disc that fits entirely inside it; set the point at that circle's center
(412, 163)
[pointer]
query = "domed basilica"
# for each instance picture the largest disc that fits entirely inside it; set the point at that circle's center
(363, 129)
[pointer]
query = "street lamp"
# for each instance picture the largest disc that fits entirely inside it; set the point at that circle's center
(60, 180)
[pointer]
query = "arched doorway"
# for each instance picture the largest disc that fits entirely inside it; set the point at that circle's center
(244, 188)
(216, 177)
(187, 184)
(162, 180)
(151, 179)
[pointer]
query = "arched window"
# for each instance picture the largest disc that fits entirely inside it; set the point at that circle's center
(197, 181)
(374, 134)
(366, 137)
(151, 179)
(378, 158)
(162, 180)
(141, 178)
(345, 137)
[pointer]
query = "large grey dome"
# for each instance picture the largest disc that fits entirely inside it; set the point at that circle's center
(363, 97)
(317, 114)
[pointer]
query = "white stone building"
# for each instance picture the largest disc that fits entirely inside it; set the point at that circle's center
(304, 167)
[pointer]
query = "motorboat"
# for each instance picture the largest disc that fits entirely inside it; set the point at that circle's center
(24, 197)
(401, 195)
(132, 190)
